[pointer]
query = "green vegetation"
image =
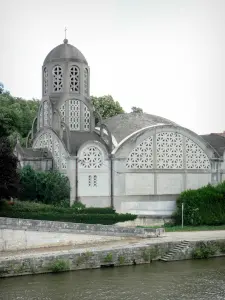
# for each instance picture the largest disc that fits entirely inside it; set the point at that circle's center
(204, 206)
(36, 211)
(46, 187)
(175, 228)
(108, 258)
(121, 260)
(204, 250)
(9, 178)
(59, 265)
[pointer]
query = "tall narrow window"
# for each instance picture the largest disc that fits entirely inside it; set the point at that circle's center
(74, 115)
(45, 113)
(86, 118)
(57, 79)
(74, 79)
(89, 180)
(86, 81)
(62, 112)
(95, 183)
(45, 81)
(41, 117)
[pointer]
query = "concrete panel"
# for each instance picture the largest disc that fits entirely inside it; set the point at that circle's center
(195, 181)
(150, 208)
(139, 184)
(169, 184)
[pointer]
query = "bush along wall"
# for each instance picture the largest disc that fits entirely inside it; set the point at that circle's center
(29, 210)
(204, 206)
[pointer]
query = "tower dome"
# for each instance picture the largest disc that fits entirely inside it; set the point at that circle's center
(65, 52)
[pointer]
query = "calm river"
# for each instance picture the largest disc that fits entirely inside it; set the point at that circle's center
(202, 280)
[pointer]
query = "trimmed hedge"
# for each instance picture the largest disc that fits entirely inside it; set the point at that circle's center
(26, 210)
(204, 206)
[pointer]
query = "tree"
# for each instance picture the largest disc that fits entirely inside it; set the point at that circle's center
(1, 88)
(8, 122)
(106, 106)
(9, 178)
(135, 109)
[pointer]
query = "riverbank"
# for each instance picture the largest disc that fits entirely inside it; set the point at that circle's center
(128, 251)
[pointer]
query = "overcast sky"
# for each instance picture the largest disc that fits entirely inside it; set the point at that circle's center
(166, 56)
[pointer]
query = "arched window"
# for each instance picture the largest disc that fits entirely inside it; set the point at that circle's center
(86, 81)
(57, 73)
(47, 113)
(74, 114)
(74, 79)
(91, 158)
(45, 81)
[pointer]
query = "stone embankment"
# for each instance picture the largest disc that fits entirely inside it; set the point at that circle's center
(128, 250)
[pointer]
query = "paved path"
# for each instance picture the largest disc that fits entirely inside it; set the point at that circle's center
(169, 237)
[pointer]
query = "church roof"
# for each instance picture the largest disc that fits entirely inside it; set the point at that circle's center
(216, 141)
(123, 125)
(78, 138)
(65, 52)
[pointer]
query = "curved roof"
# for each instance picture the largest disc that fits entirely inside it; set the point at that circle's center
(65, 52)
(123, 125)
(216, 141)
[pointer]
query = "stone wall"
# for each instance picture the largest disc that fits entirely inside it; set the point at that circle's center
(77, 259)
(78, 228)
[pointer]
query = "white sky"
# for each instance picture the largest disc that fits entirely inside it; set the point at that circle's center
(165, 56)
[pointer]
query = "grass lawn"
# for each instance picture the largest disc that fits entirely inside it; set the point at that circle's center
(189, 228)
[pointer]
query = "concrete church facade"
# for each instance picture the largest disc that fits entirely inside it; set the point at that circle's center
(137, 162)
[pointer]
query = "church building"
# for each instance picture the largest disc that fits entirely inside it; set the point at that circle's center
(136, 162)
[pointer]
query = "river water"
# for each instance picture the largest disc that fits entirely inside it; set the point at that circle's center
(199, 279)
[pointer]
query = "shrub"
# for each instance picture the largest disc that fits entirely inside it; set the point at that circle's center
(9, 178)
(205, 206)
(47, 187)
(204, 251)
(36, 211)
(59, 266)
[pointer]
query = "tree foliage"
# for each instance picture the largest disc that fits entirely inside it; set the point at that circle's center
(16, 116)
(135, 109)
(45, 187)
(9, 178)
(106, 106)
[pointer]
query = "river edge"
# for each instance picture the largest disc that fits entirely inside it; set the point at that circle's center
(143, 252)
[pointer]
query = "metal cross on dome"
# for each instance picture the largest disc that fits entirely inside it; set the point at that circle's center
(65, 31)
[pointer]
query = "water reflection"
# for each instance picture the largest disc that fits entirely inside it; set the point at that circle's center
(202, 280)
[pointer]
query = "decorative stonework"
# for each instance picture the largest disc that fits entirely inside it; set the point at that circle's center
(169, 150)
(195, 156)
(74, 115)
(86, 81)
(47, 140)
(91, 158)
(41, 117)
(142, 156)
(62, 112)
(45, 81)
(86, 118)
(57, 73)
(74, 79)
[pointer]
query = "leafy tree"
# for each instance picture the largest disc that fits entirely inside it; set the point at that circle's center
(9, 178)
(1, 88)
(135, 109)
(46, 187)
(16, 116)
(106, 106)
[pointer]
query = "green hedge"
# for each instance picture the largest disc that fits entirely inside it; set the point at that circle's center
(204, 206)
(27, 206)
(36, 211)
